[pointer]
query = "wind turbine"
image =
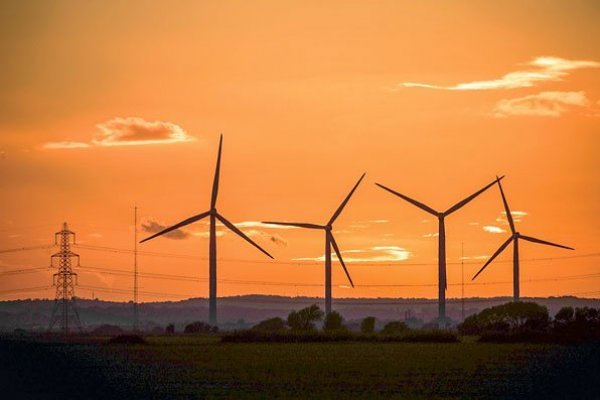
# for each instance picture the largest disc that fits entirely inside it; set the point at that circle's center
(329, 242)
(442, 283)
(212, 246)
(515, 239)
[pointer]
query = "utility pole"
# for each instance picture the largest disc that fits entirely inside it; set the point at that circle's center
(65, 279)
(135, 272)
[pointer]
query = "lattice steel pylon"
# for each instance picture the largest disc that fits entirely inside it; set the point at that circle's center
(65, 311)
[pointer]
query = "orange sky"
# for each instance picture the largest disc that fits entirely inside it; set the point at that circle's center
(103, 105)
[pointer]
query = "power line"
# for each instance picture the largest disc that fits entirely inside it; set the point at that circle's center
(292, 262)
(46, 246)
(29, 289)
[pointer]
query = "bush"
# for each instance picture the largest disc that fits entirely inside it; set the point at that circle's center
(394, 328)
(510, 317)
(577, 324)
(170, 329)
(200, 327)
(304, 320)
(367, 326)
(270, 325)
(334, 322)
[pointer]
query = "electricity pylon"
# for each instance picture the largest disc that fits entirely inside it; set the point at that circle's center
(65, 311)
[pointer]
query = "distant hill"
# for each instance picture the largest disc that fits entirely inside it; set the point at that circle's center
(244, 311)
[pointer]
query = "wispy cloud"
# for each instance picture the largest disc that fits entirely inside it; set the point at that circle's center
(65, 145)
(128, 131)
(152, 226)
(540, 69)
(372, 254)
(465, 258)
(516, 215)
(137, 131)
(432, 234)
(544, 104)
(493, 229)
(257, 224)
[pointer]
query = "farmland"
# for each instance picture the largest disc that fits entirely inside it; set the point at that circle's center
(202, 367)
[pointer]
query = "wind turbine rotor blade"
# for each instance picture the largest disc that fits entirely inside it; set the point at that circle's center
(296, 224)
(462, 203)
(506, 209)
(411, 201)
(339, 256)
(496, 254)
(178, 225)
(341, 207)
(215, 188)
(540, 241)
(240, 233)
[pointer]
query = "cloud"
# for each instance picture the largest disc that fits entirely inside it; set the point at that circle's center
(257, 224)
(493, 229)
(516, 215)
(544, 104)
(430, 235)
(65, 145)
(372, 254)
(465, 258)
(541, 69)
(152, 226)
(128, 131)
(137, 131)
(276, 239)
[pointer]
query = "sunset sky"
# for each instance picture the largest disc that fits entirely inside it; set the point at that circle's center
(104, 105)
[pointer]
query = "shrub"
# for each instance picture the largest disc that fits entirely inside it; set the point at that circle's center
(200, 327)
(394, 328)
(577, 324)
(304, 320)
(367, 326)
(334, 322)
(170, 329)
(270, 325)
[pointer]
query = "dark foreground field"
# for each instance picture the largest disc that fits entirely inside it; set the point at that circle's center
(184, 368)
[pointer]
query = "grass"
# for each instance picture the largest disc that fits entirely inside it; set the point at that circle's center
(202, 367)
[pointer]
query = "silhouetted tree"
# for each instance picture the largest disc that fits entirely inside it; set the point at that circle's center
(200, 327)
(511, 317)
(394, 328)
(271, 325)
(367, 325)
(170, 329)
(334, 322)
(304, 320)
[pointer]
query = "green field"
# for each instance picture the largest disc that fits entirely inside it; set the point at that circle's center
(196, 367)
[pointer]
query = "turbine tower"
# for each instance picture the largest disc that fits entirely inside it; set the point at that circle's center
(442, 283)
(514, 238)
(212, 246)
(329, 243)
(64, 312)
